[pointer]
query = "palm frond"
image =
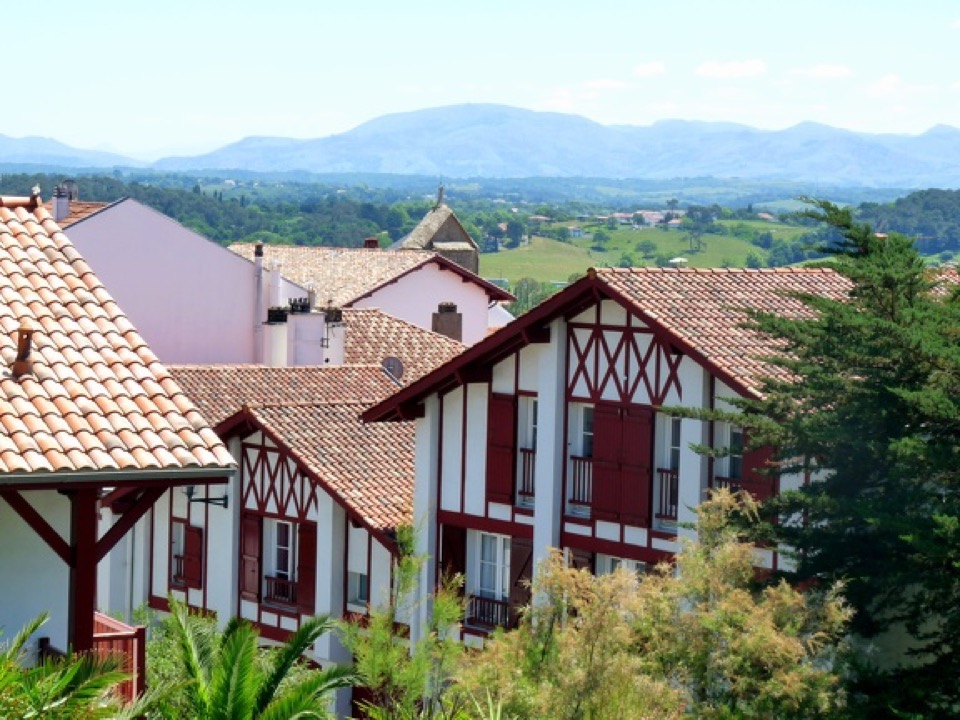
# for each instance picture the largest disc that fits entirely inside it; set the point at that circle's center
(233, 687)
(289, 654)
(308, 699)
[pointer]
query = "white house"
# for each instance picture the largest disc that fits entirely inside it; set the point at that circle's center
(87, 411)
(419, 286)
(551, 434)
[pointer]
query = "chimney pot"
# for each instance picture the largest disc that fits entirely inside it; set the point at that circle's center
(371, 243)
(447, 321)
(258, 250)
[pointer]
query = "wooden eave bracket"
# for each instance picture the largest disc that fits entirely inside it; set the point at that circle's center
(411, 411)
(536, 335)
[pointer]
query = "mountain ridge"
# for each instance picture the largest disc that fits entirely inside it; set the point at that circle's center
(499, 141)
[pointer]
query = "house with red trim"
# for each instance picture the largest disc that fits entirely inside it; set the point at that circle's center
(90, 417)
(308, 526)
(553, 432)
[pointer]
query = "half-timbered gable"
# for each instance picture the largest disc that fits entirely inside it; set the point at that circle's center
(557, 431)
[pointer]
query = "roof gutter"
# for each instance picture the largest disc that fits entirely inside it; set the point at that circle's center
(114, 478)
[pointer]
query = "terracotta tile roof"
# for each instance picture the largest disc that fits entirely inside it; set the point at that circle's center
(341, 275)
(705, 307)
(96, 399)
(372, 336)
(79, 210)
(439, 227)
(220, 391)
(370, 468)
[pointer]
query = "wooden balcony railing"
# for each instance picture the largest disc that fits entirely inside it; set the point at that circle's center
(720, 482)
(281, 590)
(581, 483)
(488, 612)
(528, 459)
(112, 638)
(667, 495)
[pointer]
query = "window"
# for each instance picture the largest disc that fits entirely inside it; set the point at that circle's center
(674, 453)
(186, 555)
(532, 408)
(608, 564)
(586, 431)
(280, 551)
(358, 588)
(494, 580)
(735, 457)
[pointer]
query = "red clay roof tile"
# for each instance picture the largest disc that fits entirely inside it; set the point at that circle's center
(85, 353)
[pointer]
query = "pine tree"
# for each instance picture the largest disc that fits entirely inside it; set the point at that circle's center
(871, 413)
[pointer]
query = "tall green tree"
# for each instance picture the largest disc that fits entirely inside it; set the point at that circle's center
(870, 413)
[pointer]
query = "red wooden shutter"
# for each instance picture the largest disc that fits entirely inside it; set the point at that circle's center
(453, 550)
(636, 469)
(307, 568)
(501, 447)
(607, 426)
(521, 572)
(250, 542)
(758, 477)
(193, 556)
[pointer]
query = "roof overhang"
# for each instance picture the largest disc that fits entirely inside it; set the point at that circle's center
(525, 330)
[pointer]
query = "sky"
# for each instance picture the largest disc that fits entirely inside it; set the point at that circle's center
(150, 79)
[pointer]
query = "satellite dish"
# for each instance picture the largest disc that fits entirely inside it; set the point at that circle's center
(393, 366)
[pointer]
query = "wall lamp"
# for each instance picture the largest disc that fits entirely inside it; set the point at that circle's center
(190, 491)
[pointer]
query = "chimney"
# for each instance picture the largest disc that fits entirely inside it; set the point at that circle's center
(336, 336)
(447, 321)
(61, 203)
(371, 243)
(23, 364)
(275, 337)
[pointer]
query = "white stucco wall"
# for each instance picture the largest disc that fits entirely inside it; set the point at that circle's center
(191, 299)
(415, 298)
(32, 577)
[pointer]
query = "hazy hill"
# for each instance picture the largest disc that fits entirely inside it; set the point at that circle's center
(496, 141)
(500, 141)
(46, 152)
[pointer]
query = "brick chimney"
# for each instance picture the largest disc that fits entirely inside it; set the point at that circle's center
(447, 321)
(371, 243)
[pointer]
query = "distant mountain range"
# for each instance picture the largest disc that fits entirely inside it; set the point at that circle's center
(496, 141)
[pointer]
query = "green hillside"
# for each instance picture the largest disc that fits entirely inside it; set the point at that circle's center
(547, 260)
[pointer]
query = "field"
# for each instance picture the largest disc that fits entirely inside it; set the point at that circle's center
(549, 260)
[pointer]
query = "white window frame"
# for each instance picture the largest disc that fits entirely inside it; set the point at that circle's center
(498, 547)
(529, 407)
(609, 564)
(358, 590)
(273, 549)
(586, 412)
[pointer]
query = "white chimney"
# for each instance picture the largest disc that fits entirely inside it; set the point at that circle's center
(275, 337)
(336, 337)
(61, 203)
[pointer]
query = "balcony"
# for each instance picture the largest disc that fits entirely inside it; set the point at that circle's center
(527, 486)
(487, 612)
(581, 485)
(112, 638)
(178, 578)
(281, 591)
(668, 493)
(725, 483)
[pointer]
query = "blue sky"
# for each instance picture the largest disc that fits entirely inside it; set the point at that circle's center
(187, 76)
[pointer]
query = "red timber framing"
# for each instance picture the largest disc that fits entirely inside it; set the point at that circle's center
(84, 549)
(607, 358)
(275, 486)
